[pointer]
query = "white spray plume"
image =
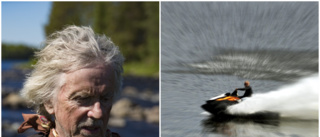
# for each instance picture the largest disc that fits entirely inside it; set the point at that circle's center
(299, 100)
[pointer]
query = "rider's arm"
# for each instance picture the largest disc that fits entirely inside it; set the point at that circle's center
(242, 88)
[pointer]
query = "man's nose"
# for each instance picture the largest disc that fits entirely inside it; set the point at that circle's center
(96, 111)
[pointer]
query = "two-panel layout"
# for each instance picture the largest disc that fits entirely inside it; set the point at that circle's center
(169, 69)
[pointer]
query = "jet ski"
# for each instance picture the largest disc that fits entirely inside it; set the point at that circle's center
(217, 105)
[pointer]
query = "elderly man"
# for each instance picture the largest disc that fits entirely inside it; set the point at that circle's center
(73, 85)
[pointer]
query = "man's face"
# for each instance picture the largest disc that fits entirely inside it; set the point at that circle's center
(83, 105)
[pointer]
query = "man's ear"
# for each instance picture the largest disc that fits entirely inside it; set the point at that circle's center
(49, 107)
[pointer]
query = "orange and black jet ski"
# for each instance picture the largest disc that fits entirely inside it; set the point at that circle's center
(217, 105)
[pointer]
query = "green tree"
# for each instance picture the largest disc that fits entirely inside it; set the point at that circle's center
(68, 13)
(17, 51)
(133, 26)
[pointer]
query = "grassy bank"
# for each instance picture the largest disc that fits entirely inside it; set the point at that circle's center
(141, 69)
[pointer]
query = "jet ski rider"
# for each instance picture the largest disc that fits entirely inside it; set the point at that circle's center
(247, 88)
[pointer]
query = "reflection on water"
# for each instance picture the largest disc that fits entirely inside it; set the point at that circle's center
(265, 128)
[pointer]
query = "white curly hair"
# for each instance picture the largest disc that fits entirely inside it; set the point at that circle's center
(68, 50)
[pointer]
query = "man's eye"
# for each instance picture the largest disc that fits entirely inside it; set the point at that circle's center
(105, 101)
(82, 98)
(105, 98)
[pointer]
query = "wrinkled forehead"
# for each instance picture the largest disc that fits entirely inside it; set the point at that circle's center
(98, 78)
(93, 71)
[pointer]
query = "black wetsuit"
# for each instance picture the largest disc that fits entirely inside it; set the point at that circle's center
(247, 93)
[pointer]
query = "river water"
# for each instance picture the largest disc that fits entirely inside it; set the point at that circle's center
(210, 48)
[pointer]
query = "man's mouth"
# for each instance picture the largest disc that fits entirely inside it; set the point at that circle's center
(91, 129)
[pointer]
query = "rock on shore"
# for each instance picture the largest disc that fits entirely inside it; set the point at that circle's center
(14, 101)
(125, 108)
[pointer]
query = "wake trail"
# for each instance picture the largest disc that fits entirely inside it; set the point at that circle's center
(298, 101)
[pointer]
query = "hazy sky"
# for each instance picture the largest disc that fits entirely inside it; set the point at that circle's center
(23, 22)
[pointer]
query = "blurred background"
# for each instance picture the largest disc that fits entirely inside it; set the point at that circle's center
(211, 48)
(133, 26)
